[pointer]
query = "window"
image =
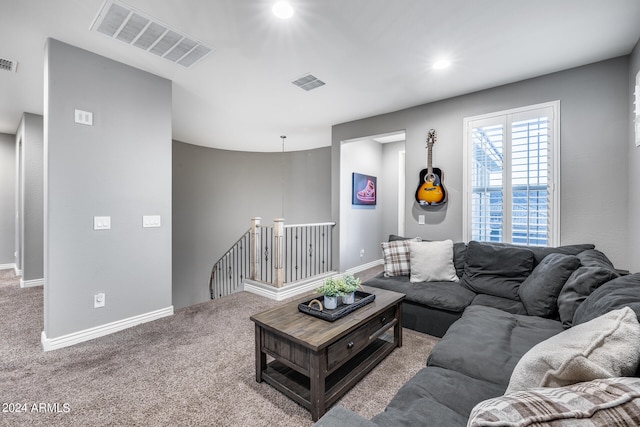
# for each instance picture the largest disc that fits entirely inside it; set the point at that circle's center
(511, 176)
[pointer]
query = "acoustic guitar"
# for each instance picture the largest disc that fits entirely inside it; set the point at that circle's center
(431, 190)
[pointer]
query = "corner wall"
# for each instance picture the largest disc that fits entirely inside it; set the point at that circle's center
(7, 202)
(30, 141)
(594, 137)
(217, 192)
(118, 167)
(634, 166)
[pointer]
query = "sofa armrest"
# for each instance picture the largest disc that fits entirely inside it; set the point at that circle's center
(340, 417)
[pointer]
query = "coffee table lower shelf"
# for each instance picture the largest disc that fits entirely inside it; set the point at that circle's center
(315, 362)
(297, 386)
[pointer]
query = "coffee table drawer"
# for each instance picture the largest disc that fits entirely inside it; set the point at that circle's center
(351, 344)
(382, 321)
(348, 346)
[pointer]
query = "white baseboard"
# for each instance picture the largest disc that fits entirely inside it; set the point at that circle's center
(287, 291)
(31, 283)
(49, 344)
(11, 266)
(16, 271)
(363, 267)
(291, 290)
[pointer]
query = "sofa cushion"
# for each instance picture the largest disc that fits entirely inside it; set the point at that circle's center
(436, 397)
(441, 295)
(601, 402)
(539, 292)
(339, 416)
(395, 237)
(578, 287)
(595, 258)
(541, 252)
(496, 270)
(607, 346)
(486, 343)
(459, 257)
(432, 262)
(623, 291)
(396, 258)
(504, 304)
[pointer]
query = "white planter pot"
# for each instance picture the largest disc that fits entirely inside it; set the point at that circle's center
(330, 302)
(348, 298)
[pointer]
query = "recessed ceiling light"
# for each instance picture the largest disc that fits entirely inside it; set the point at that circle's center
(282, 10)
(441, 64)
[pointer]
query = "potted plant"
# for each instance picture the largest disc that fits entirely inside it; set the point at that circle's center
(349, 285)
(331, 289)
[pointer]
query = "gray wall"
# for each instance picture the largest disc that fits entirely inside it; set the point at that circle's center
(217, 192)
(30, 140)
(634, 167)
(389, 189)
(594, 137)
(361, 226)
(7, 196)
(119, 167)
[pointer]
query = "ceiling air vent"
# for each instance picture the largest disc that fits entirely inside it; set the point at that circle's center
(308, 82)
(130, 26)
(8, 65)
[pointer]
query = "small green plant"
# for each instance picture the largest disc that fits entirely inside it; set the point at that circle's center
(331, 288)
(349, 284)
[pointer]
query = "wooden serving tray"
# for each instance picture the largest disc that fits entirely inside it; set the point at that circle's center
(360, 299)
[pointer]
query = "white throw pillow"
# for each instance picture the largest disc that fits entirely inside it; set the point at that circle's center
(432, 262)
(607, 346)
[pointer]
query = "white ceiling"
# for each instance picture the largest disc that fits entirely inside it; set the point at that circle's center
(375, 57)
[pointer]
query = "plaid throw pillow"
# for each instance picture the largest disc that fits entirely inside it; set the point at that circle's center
(397, 261)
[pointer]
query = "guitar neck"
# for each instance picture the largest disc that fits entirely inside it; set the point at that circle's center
(429, 157)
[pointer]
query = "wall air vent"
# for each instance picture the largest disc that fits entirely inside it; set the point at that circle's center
(308, 82)
(121, 22)
(8, 65)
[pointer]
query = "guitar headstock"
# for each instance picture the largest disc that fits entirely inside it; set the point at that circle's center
(431, 137)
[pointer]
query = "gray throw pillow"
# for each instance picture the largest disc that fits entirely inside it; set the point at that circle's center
(496, 269)
(595, 258)
(617, 293)
(578, 287)
(539, 292)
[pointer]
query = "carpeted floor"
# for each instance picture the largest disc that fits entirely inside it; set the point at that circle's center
(193, 368)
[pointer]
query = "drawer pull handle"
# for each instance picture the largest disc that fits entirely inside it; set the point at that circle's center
(350, 345)
(384, 319)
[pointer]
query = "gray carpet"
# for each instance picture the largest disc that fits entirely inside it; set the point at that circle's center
(193, 368)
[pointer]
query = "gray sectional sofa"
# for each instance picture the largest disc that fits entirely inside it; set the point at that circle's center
(498, 318)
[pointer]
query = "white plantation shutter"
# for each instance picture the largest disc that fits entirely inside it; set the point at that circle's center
(510, 188)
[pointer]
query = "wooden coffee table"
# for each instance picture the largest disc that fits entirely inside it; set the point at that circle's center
(315, 362)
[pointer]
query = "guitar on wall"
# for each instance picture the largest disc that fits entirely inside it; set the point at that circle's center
(431, 191)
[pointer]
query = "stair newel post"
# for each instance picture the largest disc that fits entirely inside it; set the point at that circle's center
(254, 255)
(278, 252)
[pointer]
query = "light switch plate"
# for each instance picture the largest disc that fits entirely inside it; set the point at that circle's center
(84, 117)
(151, 221)
(421, 219)
(101, 222)
(99, 300)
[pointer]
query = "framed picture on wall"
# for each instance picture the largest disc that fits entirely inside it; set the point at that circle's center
(363, 189)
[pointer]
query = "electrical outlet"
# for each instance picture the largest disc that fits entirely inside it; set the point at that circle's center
(361, 253)
(99, 300)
